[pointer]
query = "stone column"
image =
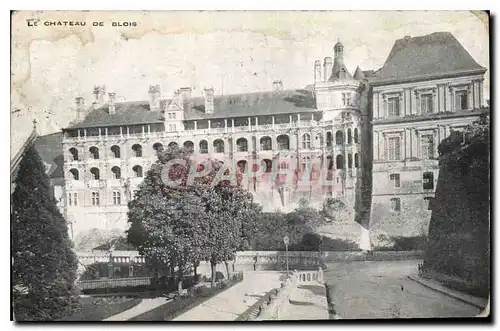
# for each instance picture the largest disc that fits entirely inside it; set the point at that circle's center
(232, 125)
(441, 90)
(470, 101)
(449, 102)
(414, 143)
(225, 125)
(481, 101)
(209, 127)
(256, 122)
(435, 100)
(376, 137)
(414, 102)
(407, 142)
(407, 105)
(383, 112)
(196, 125)
(375, 105)
(272, 118)
(249, 123)
(382, 146)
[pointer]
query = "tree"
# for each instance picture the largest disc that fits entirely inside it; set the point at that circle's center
(304, 219)
(182, 224)
(44, 264)
(332, 208)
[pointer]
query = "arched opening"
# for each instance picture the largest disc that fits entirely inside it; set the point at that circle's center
(339, 137)
(242, 145)
(158, 147)
(203, 147)
(117, 174)
(349, 136)
(219, 146)
(349, 161)
(74, 153)
(94, 174)
(356, 136)
(283, 142)
(269, 165)
(329, 139)
(340, 161)
(95, 198)
(329, 162)
(116, 151)
(241, 164)
(137, 171)
(356, 160)
(306, 141)
(137, 149)
(75, 174)
(266, 143)
(94, 152)
(189, 145)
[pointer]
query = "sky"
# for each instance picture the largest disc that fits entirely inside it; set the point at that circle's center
(233, 52)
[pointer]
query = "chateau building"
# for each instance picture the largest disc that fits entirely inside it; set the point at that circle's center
(347, 136)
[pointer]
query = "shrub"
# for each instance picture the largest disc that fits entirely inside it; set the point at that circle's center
(219, 276)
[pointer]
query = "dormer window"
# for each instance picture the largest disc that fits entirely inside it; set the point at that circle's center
(346, 99)
(461, 100)
(426, 103)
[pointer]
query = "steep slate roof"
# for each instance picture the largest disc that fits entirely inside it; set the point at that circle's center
(358, 74)
(436, 54)
(235, 105)
(337, 67)
(49, 147)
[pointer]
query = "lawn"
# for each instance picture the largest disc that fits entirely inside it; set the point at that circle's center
(99, 308)
(178, 306)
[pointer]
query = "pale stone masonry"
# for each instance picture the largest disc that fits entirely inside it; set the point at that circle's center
(369, 131)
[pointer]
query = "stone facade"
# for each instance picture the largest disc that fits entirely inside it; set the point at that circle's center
(363, 132)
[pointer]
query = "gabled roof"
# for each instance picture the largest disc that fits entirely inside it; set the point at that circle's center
(49, 147)
(434, 55)
(225, 106)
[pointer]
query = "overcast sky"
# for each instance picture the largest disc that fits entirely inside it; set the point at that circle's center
(233, 52)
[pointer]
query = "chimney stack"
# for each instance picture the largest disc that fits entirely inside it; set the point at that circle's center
(154, 97)
(80, 108)
(317, 71)
(99, 92)
(111, 103)
(209, 100)
(185, 97)
(327, 67)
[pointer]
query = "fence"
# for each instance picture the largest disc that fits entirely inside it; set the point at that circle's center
(113, 283)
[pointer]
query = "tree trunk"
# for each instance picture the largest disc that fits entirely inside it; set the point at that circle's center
(213, 264)
(227, 270)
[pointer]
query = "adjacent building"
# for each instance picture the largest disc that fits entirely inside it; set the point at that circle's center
(368, 138)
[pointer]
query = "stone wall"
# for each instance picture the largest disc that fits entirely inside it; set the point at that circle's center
(459, 235)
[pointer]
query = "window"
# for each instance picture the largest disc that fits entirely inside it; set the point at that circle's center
(283, 142)
(346, 99)
(306, 141)
(137, 171)
(340, 161)
(427, 143)
(95, 198)
(396, 204)
(393, 106)
(349, 136)
(70, 199)
(75, 199)
(137, 149)
(356, 160)
(117, 174)
(169, 115)
(394, 144)
(356, 136)
(74, 153)
(428, 202)
(94, 174)
(117, 196)
(242, 145)
(116, 151)
(75, 174)
(173, 144)
(203, 147)
(266, 144)
(158, 147)
(283, 165)
(426, 103)
(218, 146)
(306, 162)
(339, 137)
(269, 165)
(428, 180)
(329, 139)
(349, 161)
(461, 100)
(173, 116)
(189, 145)
(241, 165)
(94, 152)
(395, 180)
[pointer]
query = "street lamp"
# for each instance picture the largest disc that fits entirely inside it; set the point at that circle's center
(286, 240)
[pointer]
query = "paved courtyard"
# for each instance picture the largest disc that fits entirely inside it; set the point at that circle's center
(367, 290)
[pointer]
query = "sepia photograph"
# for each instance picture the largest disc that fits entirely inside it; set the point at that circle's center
(250, 166)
